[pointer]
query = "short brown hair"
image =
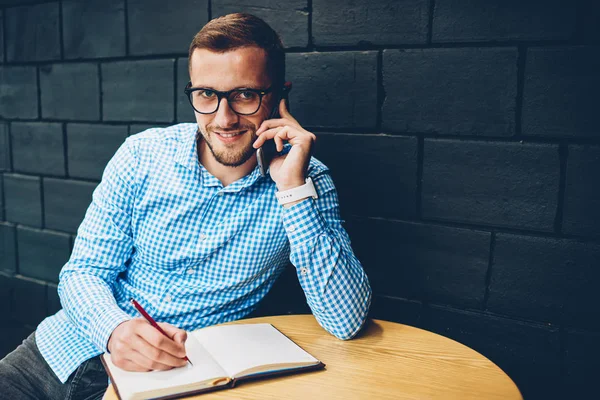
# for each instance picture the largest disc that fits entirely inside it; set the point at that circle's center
(237, 30)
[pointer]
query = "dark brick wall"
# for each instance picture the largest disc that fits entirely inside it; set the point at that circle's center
(461, 135)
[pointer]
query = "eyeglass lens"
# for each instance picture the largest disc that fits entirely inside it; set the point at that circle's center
(241, 101)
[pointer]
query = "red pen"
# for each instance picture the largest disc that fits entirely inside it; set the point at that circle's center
(152, 322)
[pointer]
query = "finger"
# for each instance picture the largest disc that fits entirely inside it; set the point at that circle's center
(129, 365)
(176, 334)
(271, 133)
(156, 358)
(266, 135)
(283, 111)
(160, 341)
(279, 138)
(259, 142)
(145, 362)
(270, 123)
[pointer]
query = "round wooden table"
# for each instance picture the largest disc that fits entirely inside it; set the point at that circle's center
(386, 361)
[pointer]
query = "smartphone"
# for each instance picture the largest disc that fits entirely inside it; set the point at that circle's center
(268, 151)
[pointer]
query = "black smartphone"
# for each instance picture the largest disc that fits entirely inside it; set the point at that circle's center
(268, 151)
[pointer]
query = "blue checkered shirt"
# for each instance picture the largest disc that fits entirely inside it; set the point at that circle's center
(163, 230)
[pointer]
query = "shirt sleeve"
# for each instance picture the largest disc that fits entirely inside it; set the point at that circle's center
(336, 286)
(103, 245)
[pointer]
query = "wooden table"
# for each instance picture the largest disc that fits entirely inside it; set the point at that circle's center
(386, 361)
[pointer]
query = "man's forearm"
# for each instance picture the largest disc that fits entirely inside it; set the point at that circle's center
(336, 287)
(89, 302)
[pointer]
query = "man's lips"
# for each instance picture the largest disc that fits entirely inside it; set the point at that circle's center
(229, 137)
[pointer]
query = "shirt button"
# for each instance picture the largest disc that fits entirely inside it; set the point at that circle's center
(190, 271)
(220, 193)
(304, 271)
(292, 228)
(202, 236)
(168, 298)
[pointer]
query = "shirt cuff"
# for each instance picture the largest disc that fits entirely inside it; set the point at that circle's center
(302, 222)
(105, 324)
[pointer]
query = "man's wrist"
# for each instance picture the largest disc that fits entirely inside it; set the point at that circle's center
(290, 185)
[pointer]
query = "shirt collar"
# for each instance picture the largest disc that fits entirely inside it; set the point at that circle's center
(187, 156)
(186, 151)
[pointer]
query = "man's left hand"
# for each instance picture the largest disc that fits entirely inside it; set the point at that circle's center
(288, 171)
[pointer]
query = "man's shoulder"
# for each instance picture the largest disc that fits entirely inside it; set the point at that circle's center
(161, 136)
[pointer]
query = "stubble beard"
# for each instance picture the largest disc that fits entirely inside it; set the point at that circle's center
(229, 155)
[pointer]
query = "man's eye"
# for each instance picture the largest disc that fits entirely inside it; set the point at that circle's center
(209, 94)
(246, 95)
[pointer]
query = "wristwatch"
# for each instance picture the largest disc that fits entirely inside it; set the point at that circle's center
(297, 193)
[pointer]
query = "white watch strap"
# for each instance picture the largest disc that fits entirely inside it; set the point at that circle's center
(297, 193)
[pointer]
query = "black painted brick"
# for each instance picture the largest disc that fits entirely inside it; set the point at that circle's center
(338, 22)
(185, 112)
(6, 288)
(18, 92)
(157, 27)
(289, 18)
(8, 249)
(591, 18)
(394, 309)
(53, 300)
(527, 352)
(90, 147)
(22, 199)
(560, 95)
(29, 300)
(546, 279)
(333, 89)
(425, 262)
(450, 91)
(1, 197)
(70, 91)
(375, 175)
(1, 37)
(474, 20)
(42, 253)
(11, 335)
(4, 147)
(21, 2)
(38, 147)
(32, 33)
(582, 193)
(581, 364)
(65, 203)
(138, 90)
(503, 184)
(93, 28)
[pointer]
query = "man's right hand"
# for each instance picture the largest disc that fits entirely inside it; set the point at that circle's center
(135, 345)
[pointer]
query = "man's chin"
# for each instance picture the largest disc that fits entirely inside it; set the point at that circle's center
(232, 157)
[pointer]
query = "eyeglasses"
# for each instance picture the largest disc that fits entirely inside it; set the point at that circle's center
(243, 101)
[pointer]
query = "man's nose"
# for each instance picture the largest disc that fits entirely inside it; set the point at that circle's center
(225, 117)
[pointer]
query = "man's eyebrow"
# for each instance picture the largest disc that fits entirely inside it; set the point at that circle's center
(257, 87)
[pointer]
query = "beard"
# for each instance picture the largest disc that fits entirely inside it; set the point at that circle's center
(230, 155)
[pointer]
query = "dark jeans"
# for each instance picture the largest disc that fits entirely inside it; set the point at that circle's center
(24, 374)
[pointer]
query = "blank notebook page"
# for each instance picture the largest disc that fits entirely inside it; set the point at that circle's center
(238, 348)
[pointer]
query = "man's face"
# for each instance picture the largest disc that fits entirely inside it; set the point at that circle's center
(241, 68)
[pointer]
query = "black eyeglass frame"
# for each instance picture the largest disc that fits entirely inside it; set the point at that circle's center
(220, 95)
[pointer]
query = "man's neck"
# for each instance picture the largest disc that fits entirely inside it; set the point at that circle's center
(226, 175)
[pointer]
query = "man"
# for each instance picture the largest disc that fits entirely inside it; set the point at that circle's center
(184, 222)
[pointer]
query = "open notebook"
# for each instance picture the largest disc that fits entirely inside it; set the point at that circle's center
(222, 356)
